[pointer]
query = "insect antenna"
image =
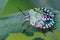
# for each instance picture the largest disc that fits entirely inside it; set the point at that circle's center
(21, 11)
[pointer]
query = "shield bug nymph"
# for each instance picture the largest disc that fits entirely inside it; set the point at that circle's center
(42, 18)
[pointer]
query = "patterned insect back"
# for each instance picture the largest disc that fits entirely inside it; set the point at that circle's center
(36, 17)
(41, 17)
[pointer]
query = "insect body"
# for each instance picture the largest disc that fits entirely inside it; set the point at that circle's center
(42, 18)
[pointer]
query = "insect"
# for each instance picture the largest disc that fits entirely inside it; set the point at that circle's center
(41, 18)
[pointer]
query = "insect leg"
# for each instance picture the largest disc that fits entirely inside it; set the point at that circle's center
(21, 11)
(25, 29)
(44, 34)
(23, 24)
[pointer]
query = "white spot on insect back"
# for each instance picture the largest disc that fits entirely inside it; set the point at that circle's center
(48, 10)
(52, 15)
(48, 18)
(49, 25)
(45, 9)
(43, 18)
(44, 27)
